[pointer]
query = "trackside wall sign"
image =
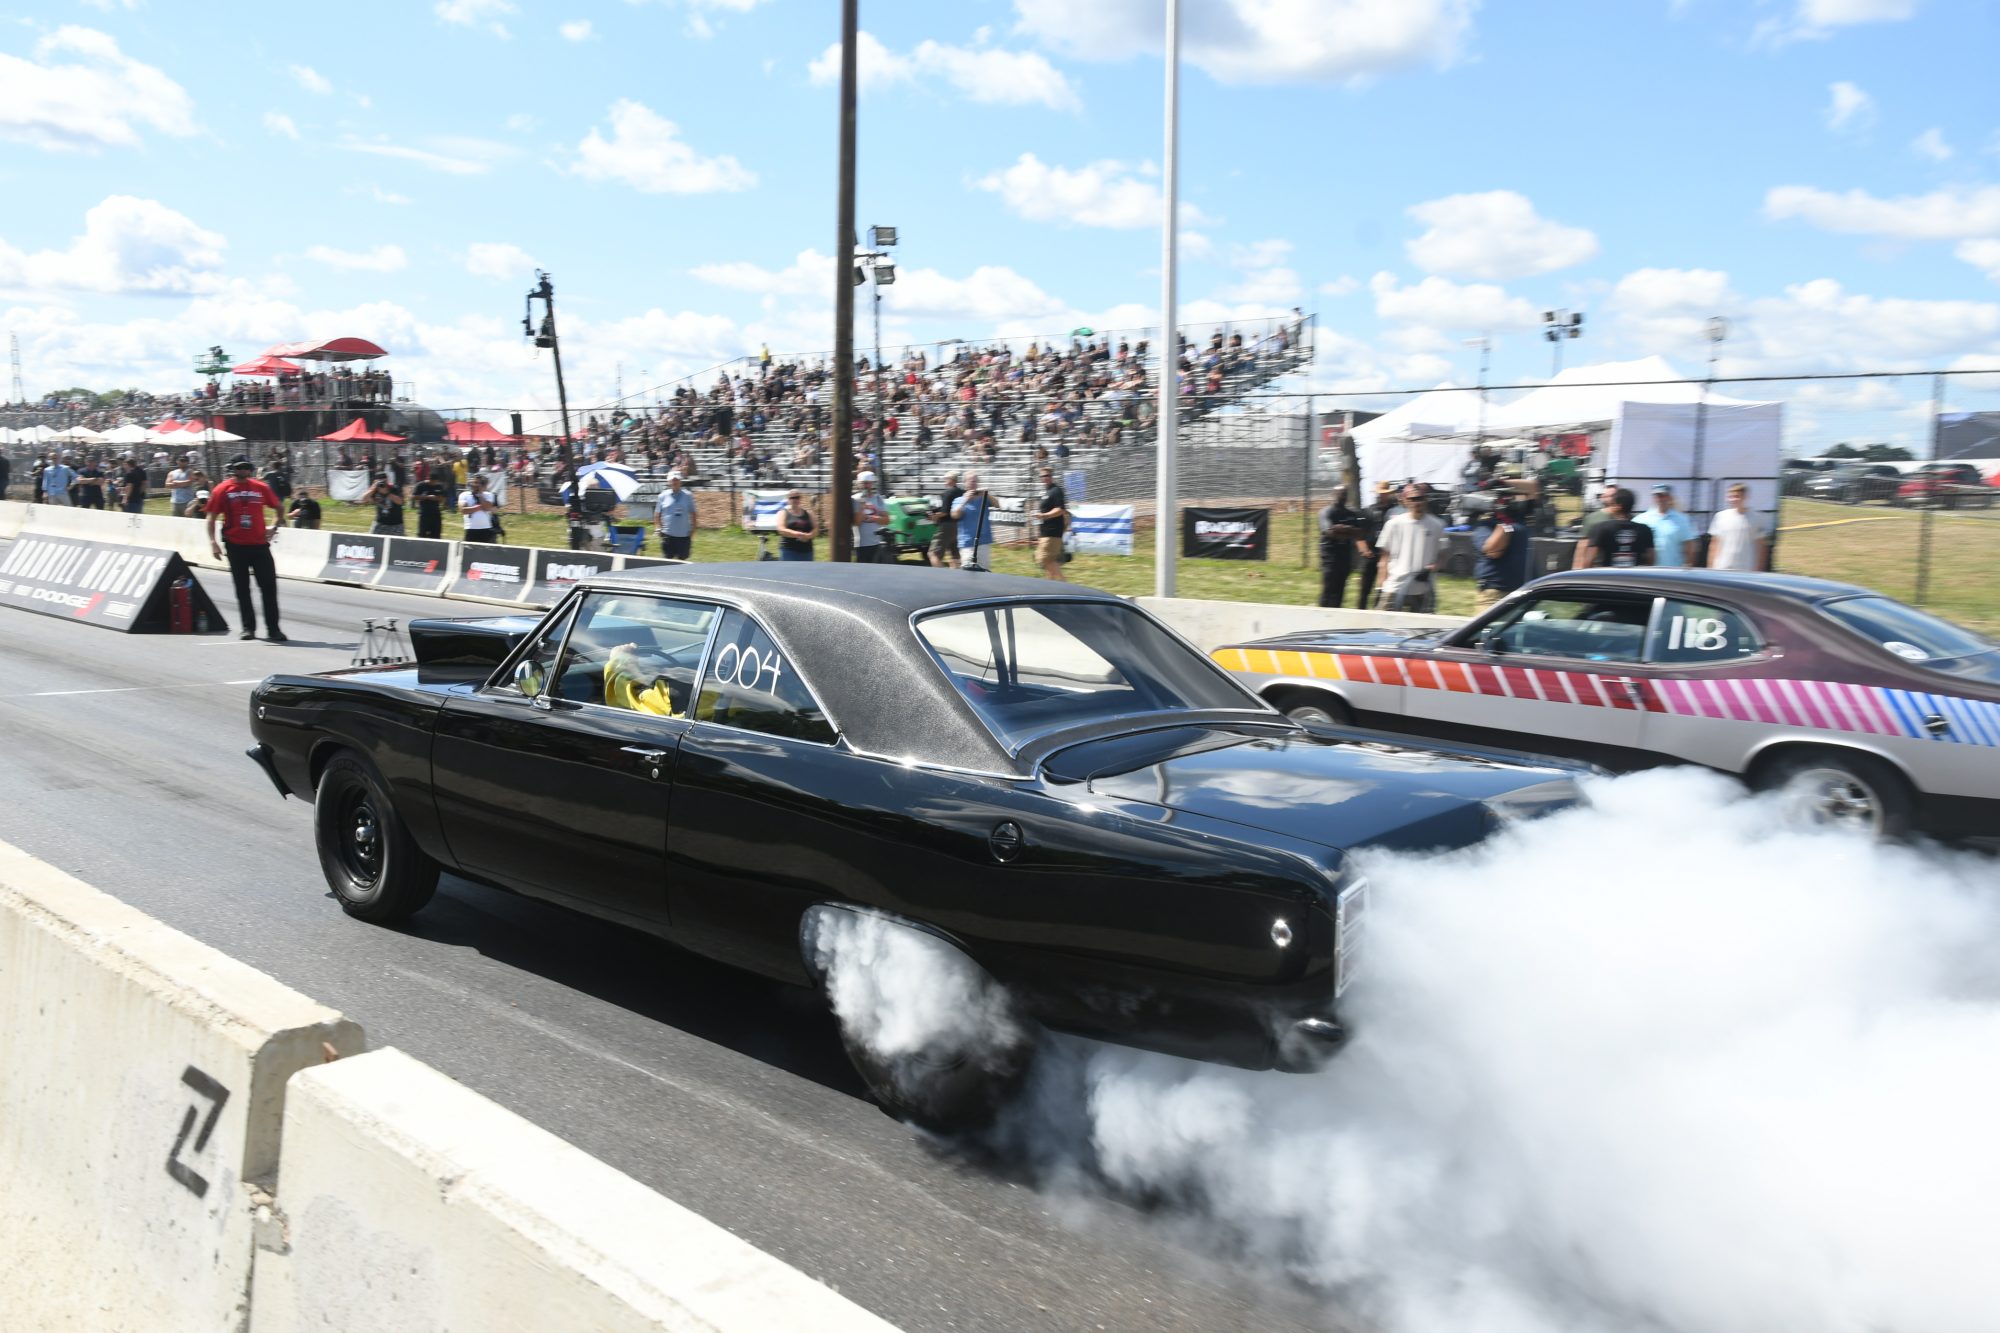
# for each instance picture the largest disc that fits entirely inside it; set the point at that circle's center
(417, 563)
(353, 558)
(136, 589)
(492, 571)
(1225, 534)
(556, 572)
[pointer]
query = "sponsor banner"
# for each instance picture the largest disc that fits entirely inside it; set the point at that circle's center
(353, 558)
(1076, 486)
(1226, 534)
(133, 589)
(492, 571)
(556, 572)
(417, 563)
(1101, 529)
(760, 510)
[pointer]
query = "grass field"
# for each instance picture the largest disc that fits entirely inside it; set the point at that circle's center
(1869, 545)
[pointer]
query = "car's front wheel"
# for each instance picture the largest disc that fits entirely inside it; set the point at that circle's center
(1310, 706)
(1848, 791)
(371, 862)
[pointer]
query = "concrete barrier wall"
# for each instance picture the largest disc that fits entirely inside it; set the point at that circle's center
(411, 1203)
(1209, 625)
(142, 1090)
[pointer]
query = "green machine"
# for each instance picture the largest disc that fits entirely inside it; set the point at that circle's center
(910, 527)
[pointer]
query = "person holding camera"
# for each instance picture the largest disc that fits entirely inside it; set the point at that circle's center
(1410, 542)
(1343, 532)
(1501, 538)
(481, 511)
(944, 545)
(388, 502)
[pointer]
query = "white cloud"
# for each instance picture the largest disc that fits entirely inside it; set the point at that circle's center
(475, 14)
(577, 30)
(1848, 107)
(129, 246)
(99, 98)
(1101, 194)
(983, 74)
(1983, 254)
(311, 80)
(1951, 214)
(1344, 285)
(497, 259)
(452, 156)
(1262, 41)
(1931, 144)
(646, 152)
(1439, 303)
(280, 124)
(1195, 246)
(1496, 235)
(1817, 20)
(811, 274)
(382, 196)
(989, 293)
(382, 259)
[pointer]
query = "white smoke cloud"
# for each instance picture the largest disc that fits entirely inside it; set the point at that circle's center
(1672, 1063)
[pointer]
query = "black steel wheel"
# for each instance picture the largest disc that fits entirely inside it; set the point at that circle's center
(371, 863)
(946, 1089)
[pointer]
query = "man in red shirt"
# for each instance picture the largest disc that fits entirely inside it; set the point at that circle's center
(238, 505)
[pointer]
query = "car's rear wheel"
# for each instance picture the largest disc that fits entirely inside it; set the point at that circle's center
(946, 1088)
(371, 862)
(1311, 706)
(1849, 791)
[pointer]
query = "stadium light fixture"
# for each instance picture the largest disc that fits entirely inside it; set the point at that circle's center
(1558, 325)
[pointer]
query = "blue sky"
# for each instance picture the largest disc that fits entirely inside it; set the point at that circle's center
(1825, 173)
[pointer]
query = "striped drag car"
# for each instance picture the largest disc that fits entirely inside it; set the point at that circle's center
(1876, 714)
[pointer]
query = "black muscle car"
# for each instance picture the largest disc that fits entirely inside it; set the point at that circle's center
(1113, 835)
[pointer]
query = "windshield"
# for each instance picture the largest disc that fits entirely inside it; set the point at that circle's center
(1916, 636)
(1032, 668)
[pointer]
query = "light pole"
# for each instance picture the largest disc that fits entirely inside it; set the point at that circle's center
(1485, 345)
(1558, 325)
(1717, 329)
(1166, 516)
(545, 336)
(841, 521)
(872, 265)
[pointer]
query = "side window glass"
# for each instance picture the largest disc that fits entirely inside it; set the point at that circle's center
(1589, 628)
(753, 685)
(530, 675)
(1691, 632)
(636, 652)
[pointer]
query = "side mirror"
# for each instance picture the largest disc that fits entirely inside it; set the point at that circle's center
(527, 680)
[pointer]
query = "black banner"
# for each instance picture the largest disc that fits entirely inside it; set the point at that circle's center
(486, 570)
(556, 572)
(353, 558)
(1226, 534)
(416, 562)
(134, 589)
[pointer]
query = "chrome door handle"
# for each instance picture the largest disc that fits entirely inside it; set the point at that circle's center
(651, 756)
(1936, 724)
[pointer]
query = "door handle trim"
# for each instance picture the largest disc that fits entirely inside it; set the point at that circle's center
(645, 752)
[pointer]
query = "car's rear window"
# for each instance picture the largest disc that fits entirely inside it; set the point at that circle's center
(1031, 668)
(1917, 636)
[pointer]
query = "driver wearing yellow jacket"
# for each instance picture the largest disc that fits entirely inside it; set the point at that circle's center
(627, 685)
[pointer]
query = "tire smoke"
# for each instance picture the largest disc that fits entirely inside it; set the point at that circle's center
(1667, 1063)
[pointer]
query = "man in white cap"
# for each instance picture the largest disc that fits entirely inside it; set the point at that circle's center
(869, 516)
(675, 510)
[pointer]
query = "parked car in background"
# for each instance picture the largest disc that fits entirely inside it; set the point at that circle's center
(1946, 486)
(1856, 483)
(1880, 716)
(1797, 473)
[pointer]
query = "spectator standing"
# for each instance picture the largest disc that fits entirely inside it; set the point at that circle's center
(56, 480)
(944, 546)
(797, 528)
(869, 516)
(133, 481)
(1672, 529)
(676, 514)
(388, 502)
(429, 496)
(1586, 546)
(457, 474)
(304, 510)
(1342, 533)
(1502, 563)
(90, 485)
(973, 512)
(1621, 542)
(1052, 513)
(478, 507)
(180, 487)
(1410, 542)
(1737, 538)
(1378, 514)
(238, 506)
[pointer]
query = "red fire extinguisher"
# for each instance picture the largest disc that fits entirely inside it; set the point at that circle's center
(180, 607)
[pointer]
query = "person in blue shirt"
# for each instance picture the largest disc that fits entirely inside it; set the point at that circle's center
(1501, 540)
(975, 524)
(676, 514)
(57, 478)
(1672, 529)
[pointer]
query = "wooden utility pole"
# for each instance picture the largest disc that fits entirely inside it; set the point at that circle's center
(841, 520)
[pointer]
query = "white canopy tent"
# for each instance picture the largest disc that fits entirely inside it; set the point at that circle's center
(129, 433)
(1418, 440)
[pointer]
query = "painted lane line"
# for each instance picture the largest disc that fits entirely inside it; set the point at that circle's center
(136, 689)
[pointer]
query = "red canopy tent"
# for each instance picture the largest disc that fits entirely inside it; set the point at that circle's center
(476, 432)
(357, 432)
(332, 349)
(165, 424)
(267, 365)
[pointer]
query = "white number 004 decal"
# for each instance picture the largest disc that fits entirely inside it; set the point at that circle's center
(1703, 634)
(748, 666)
